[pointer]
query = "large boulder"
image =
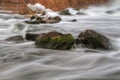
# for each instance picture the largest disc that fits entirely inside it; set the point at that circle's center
(17, 38)
(55, 40)
(93, 40)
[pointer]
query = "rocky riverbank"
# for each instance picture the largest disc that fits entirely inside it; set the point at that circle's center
(20, 6)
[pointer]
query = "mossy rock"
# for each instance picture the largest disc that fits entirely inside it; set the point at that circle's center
(55, 40)
(93, 40)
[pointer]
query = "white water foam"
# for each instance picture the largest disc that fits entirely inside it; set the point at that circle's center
(25, 62)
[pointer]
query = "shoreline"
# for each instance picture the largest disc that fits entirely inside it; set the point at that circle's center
(20, 7)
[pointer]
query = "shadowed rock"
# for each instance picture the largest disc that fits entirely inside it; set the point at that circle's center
(93, 40)
(31, 36)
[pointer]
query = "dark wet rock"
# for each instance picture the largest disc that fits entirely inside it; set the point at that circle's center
(65, 12)
(93, 40)
(55, 40)
(17, 38)
(31, 36)
(74, 20)
(110, 12)
(38, 20)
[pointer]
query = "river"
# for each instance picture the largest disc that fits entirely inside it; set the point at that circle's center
(23, 61)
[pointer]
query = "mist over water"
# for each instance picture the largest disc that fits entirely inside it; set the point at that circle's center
(112, 8)
(22, 61)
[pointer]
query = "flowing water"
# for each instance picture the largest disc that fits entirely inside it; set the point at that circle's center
(22, 61)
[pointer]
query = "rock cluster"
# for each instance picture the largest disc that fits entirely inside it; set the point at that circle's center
(42, 15)
(59, 41)
(40, 19)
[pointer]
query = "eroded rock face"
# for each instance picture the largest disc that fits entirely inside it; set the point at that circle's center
(55, 40)
(93, 40)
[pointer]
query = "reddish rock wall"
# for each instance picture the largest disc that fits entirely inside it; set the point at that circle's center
(21, 5)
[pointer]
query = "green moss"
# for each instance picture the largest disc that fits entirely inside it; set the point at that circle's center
(61, 42)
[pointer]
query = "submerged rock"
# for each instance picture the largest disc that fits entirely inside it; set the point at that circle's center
(74, 20)
(55, 40)
(80, 13)
(17, 38)
(93, 40)
(110, 12)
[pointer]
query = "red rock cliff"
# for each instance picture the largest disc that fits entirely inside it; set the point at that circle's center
(21, 5)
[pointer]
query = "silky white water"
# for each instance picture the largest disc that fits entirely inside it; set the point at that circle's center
(23, 61)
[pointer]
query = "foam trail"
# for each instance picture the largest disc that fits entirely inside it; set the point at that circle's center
(15, 28)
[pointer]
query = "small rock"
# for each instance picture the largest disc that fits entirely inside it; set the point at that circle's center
(65, 12)
(74, 20)
(55, 40)
(80, 13)
(93, 40)
(110, 12)
(17, 38)
(53, 20)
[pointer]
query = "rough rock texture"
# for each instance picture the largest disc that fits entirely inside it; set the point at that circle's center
(17, 38)
(55, 40)
(20, 6)
(94, 40)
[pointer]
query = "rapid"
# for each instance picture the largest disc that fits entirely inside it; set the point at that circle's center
(23, 61)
